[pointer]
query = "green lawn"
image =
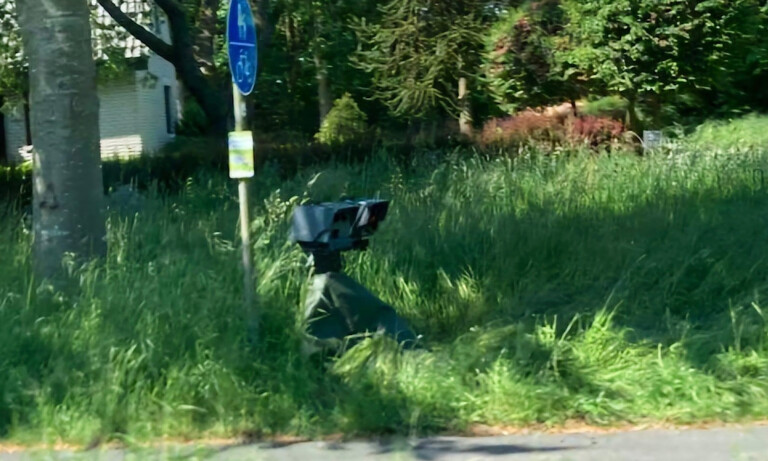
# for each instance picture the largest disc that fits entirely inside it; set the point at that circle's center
(598, 288)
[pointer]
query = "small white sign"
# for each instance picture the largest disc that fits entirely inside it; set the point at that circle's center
(652, 140)
(241, 155)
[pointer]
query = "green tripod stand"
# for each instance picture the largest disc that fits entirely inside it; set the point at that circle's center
(339, 310)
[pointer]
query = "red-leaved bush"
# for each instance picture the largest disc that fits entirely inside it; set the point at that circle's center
(595, 131)
(547, 131)
(522, 128)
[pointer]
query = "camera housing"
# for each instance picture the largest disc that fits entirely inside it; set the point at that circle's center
(337, 226)
(338, 310)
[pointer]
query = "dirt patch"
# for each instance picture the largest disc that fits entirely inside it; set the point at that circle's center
(581, 427)
(479, 430)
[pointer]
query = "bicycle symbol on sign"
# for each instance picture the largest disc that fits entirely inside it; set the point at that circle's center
(244, 68)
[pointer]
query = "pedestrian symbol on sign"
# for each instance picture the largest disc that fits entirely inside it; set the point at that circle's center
(241, 27)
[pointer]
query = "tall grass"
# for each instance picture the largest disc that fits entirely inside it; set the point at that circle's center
(740, 133)
(604, 289)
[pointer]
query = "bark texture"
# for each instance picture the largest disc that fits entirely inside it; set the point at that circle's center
(206, 25)
(465, 119)
(324, 97)
(68, 199)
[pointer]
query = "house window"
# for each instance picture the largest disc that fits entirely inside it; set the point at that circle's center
(169, 123)
(27, 123)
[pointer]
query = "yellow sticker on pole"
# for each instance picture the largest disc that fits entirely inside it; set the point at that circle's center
(241, 155)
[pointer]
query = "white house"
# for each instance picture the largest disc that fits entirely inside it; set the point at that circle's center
(137, 113)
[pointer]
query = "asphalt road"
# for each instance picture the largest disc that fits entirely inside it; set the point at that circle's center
(695, 445)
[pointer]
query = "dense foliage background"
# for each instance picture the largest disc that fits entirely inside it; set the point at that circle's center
(663, 63)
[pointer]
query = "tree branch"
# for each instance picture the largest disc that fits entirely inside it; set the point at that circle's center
(150, 40)
(265, 26)
(170, 7)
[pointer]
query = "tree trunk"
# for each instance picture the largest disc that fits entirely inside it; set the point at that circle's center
(68, 200)
(324, 96)
(465, 119)
(215, 107)
(294, 71)
(4, 157)
(266, 28)
(632, 121)
(206, 94)
(207, 22)
(656, 112)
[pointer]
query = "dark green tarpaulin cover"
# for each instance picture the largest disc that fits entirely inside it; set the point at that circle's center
(338, 307)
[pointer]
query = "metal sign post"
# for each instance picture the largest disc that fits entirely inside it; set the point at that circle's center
(243, 61)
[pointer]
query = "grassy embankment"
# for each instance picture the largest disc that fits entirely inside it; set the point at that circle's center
(605, 289)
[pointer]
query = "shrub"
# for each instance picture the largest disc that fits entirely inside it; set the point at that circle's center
(595, 131)
(345, 123)
(193, 120)
(525, 127)
(15, 185)
(169, 168)
(518, 60)
(748, 132)
(610, 106)
(550, 130)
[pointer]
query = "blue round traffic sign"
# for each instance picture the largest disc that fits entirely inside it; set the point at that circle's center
(241, 45)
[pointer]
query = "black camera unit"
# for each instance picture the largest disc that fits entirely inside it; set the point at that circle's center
(326, 229)
(337, 308)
